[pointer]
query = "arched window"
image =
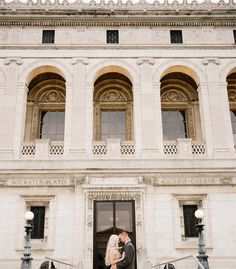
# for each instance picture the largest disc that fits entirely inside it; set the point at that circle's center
(231, 88)
(45, 115)
(180, 108)
(113, 107)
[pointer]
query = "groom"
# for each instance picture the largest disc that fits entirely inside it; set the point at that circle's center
(128, 262)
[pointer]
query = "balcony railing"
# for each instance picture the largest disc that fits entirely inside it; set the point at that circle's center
(42, 149)
(113, 147)
(28, 149)
(184, 148)
(99, 148)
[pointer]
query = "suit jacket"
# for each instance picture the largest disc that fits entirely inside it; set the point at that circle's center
(129, 261)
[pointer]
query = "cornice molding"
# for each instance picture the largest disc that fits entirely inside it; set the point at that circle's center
(14, 20)
(118, 13)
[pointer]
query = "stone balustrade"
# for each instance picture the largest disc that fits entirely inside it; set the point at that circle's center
(184, 148)
(112, 148)
(42, 149)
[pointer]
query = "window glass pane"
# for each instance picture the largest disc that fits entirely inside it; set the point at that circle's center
(174, 124)
(233, 121)
(112, 36)
(176, 36)
(113, 124)
(189, 220)
(38, 222)
(52, 125)
(104, 218)
(48, 36)
(124, 216)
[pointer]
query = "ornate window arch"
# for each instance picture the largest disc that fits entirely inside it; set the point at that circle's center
(45, 107)
(231, 89)
(113, 107)
(180, 107)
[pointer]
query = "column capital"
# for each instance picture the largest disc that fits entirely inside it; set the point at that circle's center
(213, 60)
(145, 60)
(16, 61)
(76, 60)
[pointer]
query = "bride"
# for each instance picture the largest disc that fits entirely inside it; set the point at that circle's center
(113, 255)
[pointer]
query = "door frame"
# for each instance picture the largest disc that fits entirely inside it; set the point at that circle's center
(112, 194)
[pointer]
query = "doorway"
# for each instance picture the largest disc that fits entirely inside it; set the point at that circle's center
(111, 217)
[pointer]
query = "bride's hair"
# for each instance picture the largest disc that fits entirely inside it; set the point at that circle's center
(112, 243)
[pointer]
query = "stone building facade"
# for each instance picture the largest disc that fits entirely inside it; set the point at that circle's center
(117, 116)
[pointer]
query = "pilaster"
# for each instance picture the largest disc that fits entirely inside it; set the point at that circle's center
(9, 108)
(222, 138)
(149, 119)
(89, 117)
(75, 108)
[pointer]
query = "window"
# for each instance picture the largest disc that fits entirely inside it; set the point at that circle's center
(180, 107)
(52, 125)
(174, 124)
(45, 113)
(176, 36)
(184, 207)
(113, 124)
(233, 121)
(112, 36)
(231, 89)
(113, 107)
(234, 32)
(189, 220)
(38, 222)
(48, 36)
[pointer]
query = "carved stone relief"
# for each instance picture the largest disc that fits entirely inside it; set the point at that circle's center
(173, 96)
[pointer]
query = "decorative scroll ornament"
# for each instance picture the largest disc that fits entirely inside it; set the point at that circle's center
(113, 96)
(232, 95)
(173, 96)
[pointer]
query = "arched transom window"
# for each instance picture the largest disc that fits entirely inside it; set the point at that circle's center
(180, 108)
(113, 106)
(45, 115)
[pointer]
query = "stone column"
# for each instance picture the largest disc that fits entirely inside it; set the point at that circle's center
(222, 138)
(149, 119)
(10, 116)
(75, 109)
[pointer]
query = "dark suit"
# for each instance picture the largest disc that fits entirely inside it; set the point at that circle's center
(128, 262)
